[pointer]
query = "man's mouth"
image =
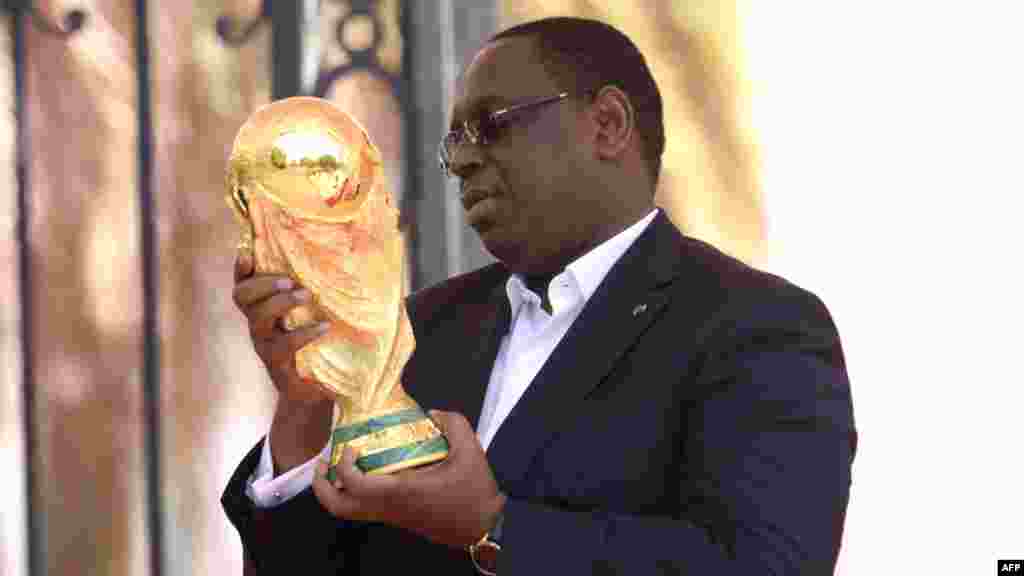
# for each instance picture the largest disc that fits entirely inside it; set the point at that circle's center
(474, 195)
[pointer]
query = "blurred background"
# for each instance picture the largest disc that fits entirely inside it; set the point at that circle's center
(868, 151)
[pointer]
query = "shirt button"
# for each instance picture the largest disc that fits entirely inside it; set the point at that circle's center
(277, 495)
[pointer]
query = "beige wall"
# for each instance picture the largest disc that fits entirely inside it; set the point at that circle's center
(84, 231)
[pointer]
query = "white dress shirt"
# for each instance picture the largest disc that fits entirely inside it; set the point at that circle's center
(533, 335)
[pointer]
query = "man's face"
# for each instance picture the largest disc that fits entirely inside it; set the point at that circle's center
(520, 190)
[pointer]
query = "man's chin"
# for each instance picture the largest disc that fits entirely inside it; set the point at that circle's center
(491, 237)
(503, 246)
(486, 229)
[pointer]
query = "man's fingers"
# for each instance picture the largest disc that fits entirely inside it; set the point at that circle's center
(455, 428)
(321, 470)
(336, 501)
(350, 475)
(243, 265)
(284, 346)
(358, 484)
(254, 289)
(264, 316)
(450, 420)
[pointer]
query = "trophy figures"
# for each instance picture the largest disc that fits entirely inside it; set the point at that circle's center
(307, 187)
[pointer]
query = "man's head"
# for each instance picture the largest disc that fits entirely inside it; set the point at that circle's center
(576, 155)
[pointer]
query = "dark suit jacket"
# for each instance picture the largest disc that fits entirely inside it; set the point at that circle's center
(695, 419)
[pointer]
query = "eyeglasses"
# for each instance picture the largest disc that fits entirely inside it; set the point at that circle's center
(487, 129)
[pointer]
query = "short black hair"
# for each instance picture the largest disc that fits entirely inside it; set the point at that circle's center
(583, 54)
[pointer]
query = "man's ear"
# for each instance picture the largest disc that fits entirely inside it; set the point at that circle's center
(614, 121)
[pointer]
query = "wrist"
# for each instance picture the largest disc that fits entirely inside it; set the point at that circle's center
(496, 517)
(484, 552)
(298, 433)
(302, 409)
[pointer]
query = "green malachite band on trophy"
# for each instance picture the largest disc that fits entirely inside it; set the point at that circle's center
(402, 453)
(417, 451)
(348, 433)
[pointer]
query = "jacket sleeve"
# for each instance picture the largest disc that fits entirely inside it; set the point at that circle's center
(768, 455)
(297, 533)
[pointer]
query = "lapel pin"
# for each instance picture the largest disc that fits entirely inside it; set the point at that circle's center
(639, 309)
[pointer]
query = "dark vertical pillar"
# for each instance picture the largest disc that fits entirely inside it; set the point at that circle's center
(286, 21)
(438, 36)
(36, 557)
(412, 174)
(150, 318)
(422, 65)
(23, 13)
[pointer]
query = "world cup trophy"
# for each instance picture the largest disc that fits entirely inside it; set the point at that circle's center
(308, 189)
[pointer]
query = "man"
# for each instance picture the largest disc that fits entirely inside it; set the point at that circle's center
(619, 398)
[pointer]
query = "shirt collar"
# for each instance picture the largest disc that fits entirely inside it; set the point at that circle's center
(590, 269)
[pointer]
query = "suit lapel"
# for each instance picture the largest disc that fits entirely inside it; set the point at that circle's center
(451, 366)
(626, 303)
(485, 328)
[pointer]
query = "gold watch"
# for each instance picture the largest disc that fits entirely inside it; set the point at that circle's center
(484, 553)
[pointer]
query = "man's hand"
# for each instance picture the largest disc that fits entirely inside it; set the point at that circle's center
(302, 419)
(452, 502)
(265, 299)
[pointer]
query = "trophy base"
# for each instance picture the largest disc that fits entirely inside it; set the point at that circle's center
(388, 443)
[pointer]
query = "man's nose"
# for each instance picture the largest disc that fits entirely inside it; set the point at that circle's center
(466, 159)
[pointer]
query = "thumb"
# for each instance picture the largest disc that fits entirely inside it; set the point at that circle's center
(452, 424)
(243, 264)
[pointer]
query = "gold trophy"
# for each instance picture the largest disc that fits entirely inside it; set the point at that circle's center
(308, 189)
